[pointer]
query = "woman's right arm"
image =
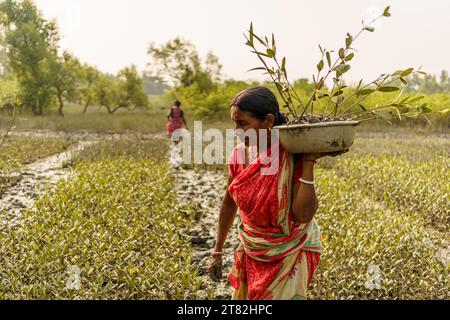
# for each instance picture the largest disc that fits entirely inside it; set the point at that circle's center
(226, 218)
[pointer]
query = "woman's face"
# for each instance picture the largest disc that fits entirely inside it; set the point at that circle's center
(244, 121)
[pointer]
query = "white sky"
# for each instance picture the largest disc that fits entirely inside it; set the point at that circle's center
(111, 34)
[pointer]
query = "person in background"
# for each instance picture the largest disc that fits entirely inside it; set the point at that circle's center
(175, 119)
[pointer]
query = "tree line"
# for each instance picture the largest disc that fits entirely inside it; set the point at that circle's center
(36, 74)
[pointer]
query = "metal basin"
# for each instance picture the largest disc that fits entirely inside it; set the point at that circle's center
(321, 137)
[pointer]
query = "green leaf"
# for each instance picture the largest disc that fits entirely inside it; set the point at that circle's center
(407, 72)
(403, 81)
(322, 94)
(359, 85)
(320, 65)
(416, 99)
(370, 29)
(342, 68)
(349, 57)
(388, 89)
(337, 93)
(260, 53)
(424, 109)
(251, 34)
(348, 40)
(341, 53)
(258, 38)
(365, 92)
(386, 12)
(257, 68)
(270, 53)
(328, 59)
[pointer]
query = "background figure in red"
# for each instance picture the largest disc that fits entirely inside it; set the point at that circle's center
(175, 118)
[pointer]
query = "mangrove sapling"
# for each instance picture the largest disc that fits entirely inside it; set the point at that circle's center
(342, 102)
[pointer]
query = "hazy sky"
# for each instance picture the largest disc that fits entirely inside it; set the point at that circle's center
(114, 33)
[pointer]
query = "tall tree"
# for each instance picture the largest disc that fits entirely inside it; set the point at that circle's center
(65, 73)
(180, 61)
(122, 92)
(88, 77)
(31, 40)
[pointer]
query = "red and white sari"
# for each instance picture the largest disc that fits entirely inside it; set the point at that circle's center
(175, 121)
(277, 256)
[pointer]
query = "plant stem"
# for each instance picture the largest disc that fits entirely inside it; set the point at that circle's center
(268, 71)
(382, 83)
(337, 60)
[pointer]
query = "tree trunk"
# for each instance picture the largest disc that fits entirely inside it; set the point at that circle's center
(86, 105)
(35, 111)
(61, 105)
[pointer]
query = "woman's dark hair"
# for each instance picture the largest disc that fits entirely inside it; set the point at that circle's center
(260, 102)
(178, 103)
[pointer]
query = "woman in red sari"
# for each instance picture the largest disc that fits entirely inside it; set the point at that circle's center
(175, 118)
(280, 240)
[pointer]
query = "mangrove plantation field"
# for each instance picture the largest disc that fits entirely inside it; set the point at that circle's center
(119, 133)
(114, 225)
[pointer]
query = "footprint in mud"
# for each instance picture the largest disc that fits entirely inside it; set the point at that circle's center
(204, 190)
(33, 177)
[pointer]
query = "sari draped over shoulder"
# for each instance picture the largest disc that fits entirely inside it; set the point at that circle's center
(277, 256)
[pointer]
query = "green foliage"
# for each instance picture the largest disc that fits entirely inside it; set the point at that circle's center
(31, 41)
(9, 93)
(107, 220)
(125, 91)
(45, 76)
(213, 104)
(359, 231)
(179, 60)
(385, 204)
(338, 97)
(88, 77)
(17, 152)
(131, 91)
(65, 73)
(416, 189)
(429, 84)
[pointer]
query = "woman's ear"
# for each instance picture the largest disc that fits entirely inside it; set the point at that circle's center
(270, 120)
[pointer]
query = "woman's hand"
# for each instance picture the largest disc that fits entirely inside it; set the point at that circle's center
(215, 268)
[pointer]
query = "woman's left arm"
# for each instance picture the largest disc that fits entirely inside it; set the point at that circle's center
(305, 201)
